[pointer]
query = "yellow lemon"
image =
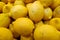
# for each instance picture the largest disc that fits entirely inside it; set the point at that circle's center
(23, 26)
(18, 11)
(47, 14)
(15, 34)
(39, 24)
(5, 34)
(26, 38)
(46, 32)
(28, 5)
(46, 3)
(56, 12)
(19, 3)
(4, 20)
(55, 4)
(36, 11)
(7, 7)
(55, 22)
(1, 6)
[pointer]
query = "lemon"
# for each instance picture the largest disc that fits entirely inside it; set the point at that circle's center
(5, 34)
(26, 38)
(55, 22)
(46, 32)
(4, 20)
(56, 12)
(18, 11)
(55, 4)
(46, 3)
(5, 1)
(23, 26)
(19, 3)
(7, 7)
(39, 24)
(1, 6)
(28, 5)
(15, 35)
(47, 14)
(36, 11)
(11, 1)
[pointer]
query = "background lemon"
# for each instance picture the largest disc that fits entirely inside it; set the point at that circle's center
(4, 20)
(5, 34)
(18, 11)
(47, 14)
(55, 22)
(46, 32)
(56, 12)
(23, 26)
(46, 3)
(36, 11)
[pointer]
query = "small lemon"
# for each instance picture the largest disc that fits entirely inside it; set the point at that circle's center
(28, 5)
(55, 22)
(19, 3)
(46, 32)
(7, 7)
(36, 11)
(18, 11)
(23, 26)
(56, 12)
(47, 14)
(5, 34)
(15, 35)
(1, 6)
(26, 38)
(55, 4)
(4, 20)
(46, 3)
(39, 24)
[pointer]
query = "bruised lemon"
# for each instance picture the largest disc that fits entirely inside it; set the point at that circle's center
(23, 26)
(36, 11)
(47, 14)
(4, 20)
(15, 34)
(55, 22)
(1, 6)
(56, 12)
(7, 7)
(19, 3)
(5, 34)
(46, 3)
(46, 32)
(18, 11)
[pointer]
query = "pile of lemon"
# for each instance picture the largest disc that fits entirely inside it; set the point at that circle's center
(29, 19)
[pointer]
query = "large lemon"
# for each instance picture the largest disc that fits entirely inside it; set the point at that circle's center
(55, 22)
(18, 11)
(23, 26)
(1, 6)
(46, 32)
(7, 7)
(47, 14)
(56, 12)
(46, 3)
(5, 34)
(4, 20)
(36, 11)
